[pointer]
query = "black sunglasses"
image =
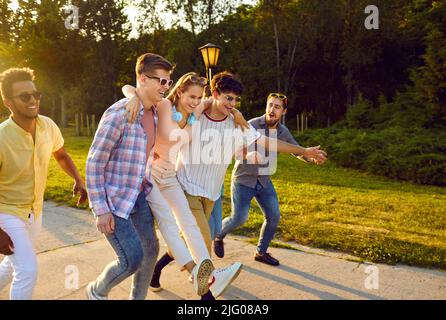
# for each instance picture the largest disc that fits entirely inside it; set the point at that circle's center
(163, 81)
(26, 97)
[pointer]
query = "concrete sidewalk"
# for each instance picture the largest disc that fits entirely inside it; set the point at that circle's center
(71, 249)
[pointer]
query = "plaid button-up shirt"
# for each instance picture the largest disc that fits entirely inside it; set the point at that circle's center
(117, 163)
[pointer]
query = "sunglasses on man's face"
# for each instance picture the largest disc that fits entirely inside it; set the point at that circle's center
(163, 81)
(26, 97)
(231, 98)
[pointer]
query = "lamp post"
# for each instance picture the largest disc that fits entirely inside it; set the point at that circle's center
(210, 53)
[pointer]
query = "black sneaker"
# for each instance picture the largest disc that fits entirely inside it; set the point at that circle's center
(208, 296)
(219, 248)
(266, 258)
(155, 285)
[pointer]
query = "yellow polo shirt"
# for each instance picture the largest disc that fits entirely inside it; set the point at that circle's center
(24, 165)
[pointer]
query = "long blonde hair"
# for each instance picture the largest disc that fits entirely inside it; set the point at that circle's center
(186, 80)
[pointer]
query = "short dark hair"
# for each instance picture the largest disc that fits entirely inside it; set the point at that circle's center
(13, 75)
(226, 82)
(149, 62)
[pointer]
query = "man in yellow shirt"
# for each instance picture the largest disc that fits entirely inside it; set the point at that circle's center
(27, 141)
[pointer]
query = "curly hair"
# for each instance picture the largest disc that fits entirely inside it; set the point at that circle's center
(226, 82)
(13, 75)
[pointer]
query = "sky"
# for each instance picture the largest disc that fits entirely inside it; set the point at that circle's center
(14, 5)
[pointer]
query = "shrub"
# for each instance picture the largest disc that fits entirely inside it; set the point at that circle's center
(417, 155)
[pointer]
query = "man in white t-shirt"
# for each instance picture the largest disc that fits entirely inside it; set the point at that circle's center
(202, 164)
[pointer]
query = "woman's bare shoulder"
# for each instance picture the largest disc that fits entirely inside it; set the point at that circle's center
(164, 105)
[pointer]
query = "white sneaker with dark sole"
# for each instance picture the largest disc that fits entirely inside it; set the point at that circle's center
(201, 274)
(155, 289)
(222, 278)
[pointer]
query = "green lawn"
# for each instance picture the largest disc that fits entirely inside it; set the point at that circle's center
(374, 218)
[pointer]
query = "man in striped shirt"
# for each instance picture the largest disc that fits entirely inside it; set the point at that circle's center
(118, 175)
(202, 164)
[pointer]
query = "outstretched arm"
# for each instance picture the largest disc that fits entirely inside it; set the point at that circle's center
(272, 144)
(288, 137)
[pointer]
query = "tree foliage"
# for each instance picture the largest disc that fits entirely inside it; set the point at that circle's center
(317, 52)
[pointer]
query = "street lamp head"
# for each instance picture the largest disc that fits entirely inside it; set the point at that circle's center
(210, 53)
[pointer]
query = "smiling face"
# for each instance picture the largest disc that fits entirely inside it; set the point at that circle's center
(22, 103)
(190, 98)
(150, 86)
(225, 102)
(274, 111)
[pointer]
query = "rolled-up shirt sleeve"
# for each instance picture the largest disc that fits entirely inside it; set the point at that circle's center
(106, 138)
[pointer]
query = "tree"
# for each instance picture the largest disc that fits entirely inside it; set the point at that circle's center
(200, 15)
(106, 29)
(429, 79)
(47, 46)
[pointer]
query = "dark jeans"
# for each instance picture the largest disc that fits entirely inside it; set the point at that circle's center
(136, 246)
(216, 217)
(241, 197)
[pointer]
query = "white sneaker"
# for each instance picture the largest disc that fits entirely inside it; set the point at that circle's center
(201, 274)
(91, 295)
(222, 278)
(155, 289)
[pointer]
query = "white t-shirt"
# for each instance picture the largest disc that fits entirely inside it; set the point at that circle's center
(202, 163)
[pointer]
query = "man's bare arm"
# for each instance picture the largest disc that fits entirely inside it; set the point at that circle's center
(275, 145)
(67, 164)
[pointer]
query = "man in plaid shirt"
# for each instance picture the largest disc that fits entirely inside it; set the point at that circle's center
(118, 175)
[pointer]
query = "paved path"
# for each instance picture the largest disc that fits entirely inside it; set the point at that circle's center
(69, 243)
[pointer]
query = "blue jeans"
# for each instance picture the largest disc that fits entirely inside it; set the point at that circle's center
(215, 219)
(136, 246)
(241, 197)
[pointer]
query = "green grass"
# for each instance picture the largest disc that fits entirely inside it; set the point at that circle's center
(59, 185)
(374, 218)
